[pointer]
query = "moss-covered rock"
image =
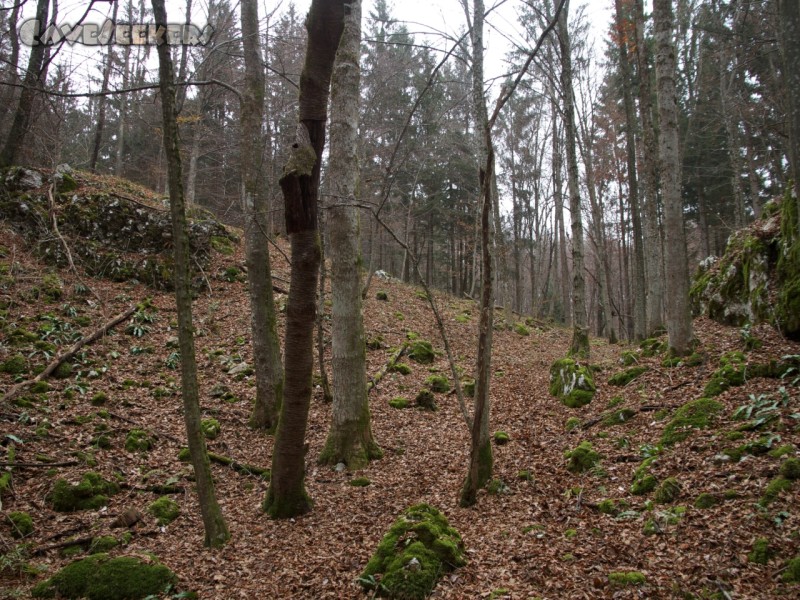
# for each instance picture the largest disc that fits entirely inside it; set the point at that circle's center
(761, 552)
(792, 572)
(401, 368)
(383, 296)
(572, 383)
(90, 493)
(16, 365)
(582, 458)
(399, 402)
(731, 373)
(438, 384)
(625, 377)
(643, 481)
(521, 329)
(706, 500)
(426, 400)
(422, 352)
(790, 469)
(626, 578)
(99, 577)
(418, 549)
(652, 346)
(619, 416)
(774, 489)
(360, 482)
(165, 510)
(21, 524)
(696, 414)
(668, 491)
(138, 440)
(103, 544)
(210, 428)
(501, 438)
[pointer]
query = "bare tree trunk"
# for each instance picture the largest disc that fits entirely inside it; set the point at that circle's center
(639, 294)
(790, 41)
(33, 83)
(350, 438)
(123, 105)
(679, 318)
(216, 532)
(653, 246)
(580, 333)
(287, 496)
(101, 101)
(480, 458)
(560, 238)
(255, 205)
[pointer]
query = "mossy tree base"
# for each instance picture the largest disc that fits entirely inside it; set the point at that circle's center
(353, 446)
(288, 505)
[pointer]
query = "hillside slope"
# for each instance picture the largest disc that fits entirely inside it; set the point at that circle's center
(546, 531)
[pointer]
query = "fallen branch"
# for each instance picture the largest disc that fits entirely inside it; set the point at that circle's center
(66, 544)
(243, 468)
(18, 465)
(596, 420)
(373, 383)
(56, 362)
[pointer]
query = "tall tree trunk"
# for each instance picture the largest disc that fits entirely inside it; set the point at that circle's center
(123, 105)
(255, 205)
(790, 41)
(287, 496)
(33, 83)
(101, 101)
(216, 532)
(679, 318)
(350, 438)
(560, 237)
(580, 333)
(639, 293)
(653, 246)
(480, 456)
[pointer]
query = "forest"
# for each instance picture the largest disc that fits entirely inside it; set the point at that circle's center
(319, 301)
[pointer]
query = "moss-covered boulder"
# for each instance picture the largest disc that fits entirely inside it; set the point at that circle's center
(421, 351)
(438, 384)
(165, 510)
(114, 228)
(644, 481)
(572, 383)
(15, 365)
(697, 414)
(582, 458)
(668, 491)
(426, 400)
(731, 373)
(90, 493)
(210, 428)
(418, 549)
(625, 377)
(99, 577)
(21, 524)
(758, 277)
(138, 440)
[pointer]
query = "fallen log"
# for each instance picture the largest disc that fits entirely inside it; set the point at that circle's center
(386, 368)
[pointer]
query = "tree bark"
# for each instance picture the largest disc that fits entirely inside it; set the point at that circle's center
(580, 333)
(287, 496)
(679, 318)
(101, 102)
(266, 345)
(790, 41)
(216, 532)
(480, 459)
(33, 83)
(350, 439)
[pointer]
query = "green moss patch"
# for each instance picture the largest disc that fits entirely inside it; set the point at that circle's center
(360, 482)
(697, 414)
(165, 510)
(625, 377)
(399, 402)
(426, 400)
(419, 547)
(90, 493)
(572, 383)
(761, 552)
(16, 365)
(21, 524)
(422, 352)
(619, 416)
(643, 481)
(652, 346)
(790, 469)
(582, 458)
(138, 440)
(731, 373)
(401, 368)
(100, 577)
(792, 572)
(501, 438)
(626, 578)
(706, 500)
(103, 544)
(438, 384)
(668, 491)
(774, 489)
(210, 428)
(520, 329)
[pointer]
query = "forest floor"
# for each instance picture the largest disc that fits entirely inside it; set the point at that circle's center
(541, 535)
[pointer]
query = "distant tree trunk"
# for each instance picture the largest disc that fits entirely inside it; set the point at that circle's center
(266, 346)
(560, 238)
(480, 456)
(580, 332)
(216, 532)
(790, 41)
(350, 438)
(653, 246)
(101, 101)
(287, 496)
(639, 293)
(327, 395)
(33, 83)
(119, 163)
(679, 318)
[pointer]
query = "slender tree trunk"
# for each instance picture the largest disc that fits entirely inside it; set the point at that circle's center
(480, 458)
(287, 496)
(350, 438)
(255, 205)
(216, 532)
(639, 293)
(679, 318)
(580, 333)
(101, 101)
(560, 238)
(653, 245)
(790, 41)
(33, 83)
(327, 395)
